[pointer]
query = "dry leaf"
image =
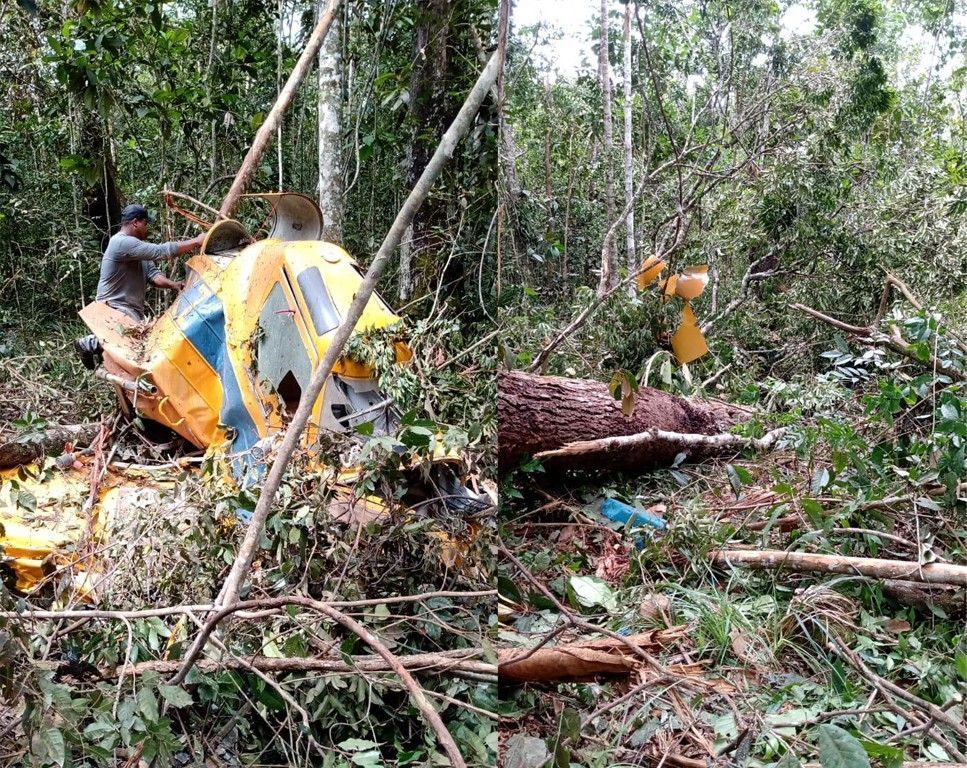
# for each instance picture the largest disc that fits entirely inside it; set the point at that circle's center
(580, 661)
(655, 606)
(896, 626)
(613, 566)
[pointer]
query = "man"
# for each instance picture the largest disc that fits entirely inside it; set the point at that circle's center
(126, 269)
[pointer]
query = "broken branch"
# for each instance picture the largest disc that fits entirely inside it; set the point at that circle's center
(444, 662)
(877, 568)
(703, 444)
(871, 335)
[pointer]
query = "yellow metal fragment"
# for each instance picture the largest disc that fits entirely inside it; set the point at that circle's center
(650, 270)
(688, 343)
(691, 282)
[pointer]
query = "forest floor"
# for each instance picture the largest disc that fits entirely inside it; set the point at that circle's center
(43, 381)
(762, 666)
(754, 668)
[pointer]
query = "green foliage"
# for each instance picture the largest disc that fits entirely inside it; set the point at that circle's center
(838, 749)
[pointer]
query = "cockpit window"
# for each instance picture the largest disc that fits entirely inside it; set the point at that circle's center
(323, 311)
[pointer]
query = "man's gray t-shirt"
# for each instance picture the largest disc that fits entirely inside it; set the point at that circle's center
(126, 268)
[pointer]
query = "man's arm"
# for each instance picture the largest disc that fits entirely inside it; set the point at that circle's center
(142, 251)
(160, 281)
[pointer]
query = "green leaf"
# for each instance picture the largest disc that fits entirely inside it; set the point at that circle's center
(148, 704)
(368, 759)
(48, 747)
(820, 480)
(839, 749)
(735, 479)
(961, 664)
(357, 745)
(590, 591)
(814, 510)
(525, 752)
(176, 696)
(570, 725)
(890, 757)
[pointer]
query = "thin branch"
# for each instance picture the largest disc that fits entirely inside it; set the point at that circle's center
(442, 663)
(416, 692)
(699, 442)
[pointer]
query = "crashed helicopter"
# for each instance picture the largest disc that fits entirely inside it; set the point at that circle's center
(228, 361)
(224, 367)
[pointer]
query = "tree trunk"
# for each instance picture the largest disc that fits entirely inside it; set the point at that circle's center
(28, 449)
(543, 413)
(329, 131)
(632, 261)
(609, 272)
(102, 201)
(431, 109)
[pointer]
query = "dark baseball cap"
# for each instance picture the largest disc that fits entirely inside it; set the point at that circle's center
(134, 212)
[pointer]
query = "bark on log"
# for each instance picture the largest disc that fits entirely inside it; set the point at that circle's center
(32, 447)
(545, 413)
(877, 568)
(926, 596)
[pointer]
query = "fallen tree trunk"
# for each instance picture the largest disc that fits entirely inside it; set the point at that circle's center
(540, 415)
(927, 596)
(32, 447)
(576, 662)
(876, 568)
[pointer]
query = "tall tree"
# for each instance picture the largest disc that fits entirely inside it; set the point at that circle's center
(609, 272)
(430, 108)
(329, 121)
(628, 156)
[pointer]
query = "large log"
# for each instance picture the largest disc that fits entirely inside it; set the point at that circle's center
(544, 413)
(31, 447)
